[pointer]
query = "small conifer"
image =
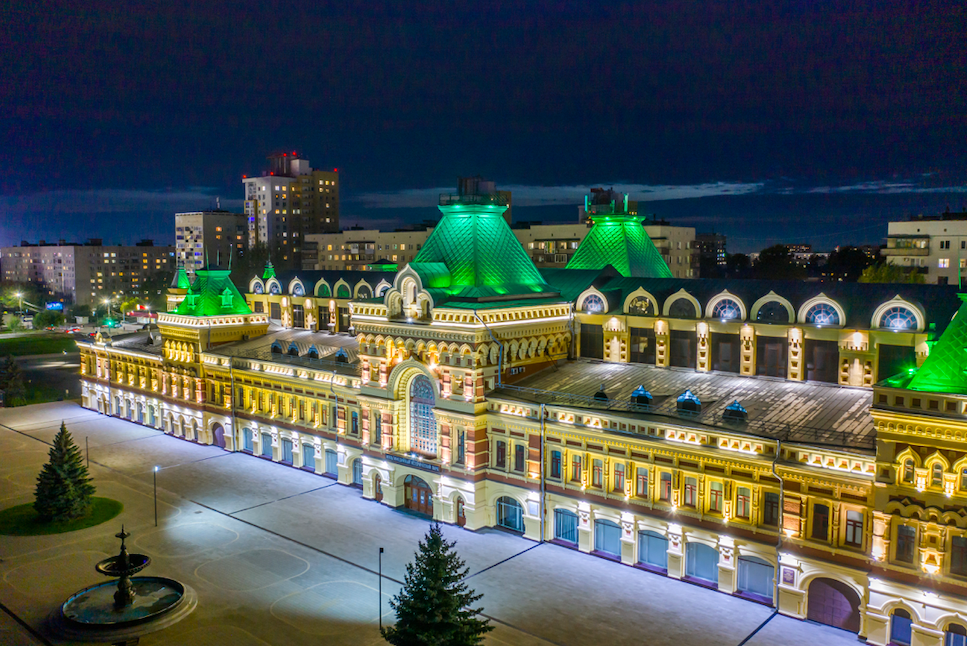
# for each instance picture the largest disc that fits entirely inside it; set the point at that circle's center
(64, 488)
(433, 609)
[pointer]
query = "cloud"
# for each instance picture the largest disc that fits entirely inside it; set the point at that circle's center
(881, 187)
(529, 195)
(111, 200)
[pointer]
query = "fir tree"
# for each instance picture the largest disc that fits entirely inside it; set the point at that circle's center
(433, 609)
(12, 384)
(64, 487)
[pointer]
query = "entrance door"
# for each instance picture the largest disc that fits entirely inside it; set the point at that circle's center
(266, 446)
(378, 486)
(332, 463)
(566, 526)
(681, 349)
(140, 413)
(247, 444)
(834, 604)
(309, 457)
(419, 496)
(702, 562)
(756, 577)
(218, 434)
(653, 550)
(901, 628)
(358, 473)
(461, 513)
(287, 451)
(510, 514)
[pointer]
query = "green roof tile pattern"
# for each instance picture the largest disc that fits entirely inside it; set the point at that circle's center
(620, 241)
(945, 370)
(480, 254)
(212, 294)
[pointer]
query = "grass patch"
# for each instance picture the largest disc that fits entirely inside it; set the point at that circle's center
(41, 343)
(41, 393)
(22, 520)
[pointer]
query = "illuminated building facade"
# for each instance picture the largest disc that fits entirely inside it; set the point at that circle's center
(462, 394)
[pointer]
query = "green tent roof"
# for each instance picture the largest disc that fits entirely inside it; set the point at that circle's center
(269, 271)
(212, 294)
(945, 370)
(180, 279)
(620, 241)
(472, 253)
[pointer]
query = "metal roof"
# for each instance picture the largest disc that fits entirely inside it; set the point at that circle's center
(802, 412)
(620, 241)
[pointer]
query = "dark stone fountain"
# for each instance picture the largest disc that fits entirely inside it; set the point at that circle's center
(122, 613)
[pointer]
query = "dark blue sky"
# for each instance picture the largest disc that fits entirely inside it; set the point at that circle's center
(767, 121)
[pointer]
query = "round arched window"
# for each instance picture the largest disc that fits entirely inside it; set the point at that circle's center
(259, 289)
(772, 312)
(422, 419)
(382, 290)
(726, 309)
(343, 292)
(364, 292)
(641, 306)
(682, 309)
(898, 318)
(822, 314)
(593, 304)
(298, 290)
(274, 288)
(323, 290)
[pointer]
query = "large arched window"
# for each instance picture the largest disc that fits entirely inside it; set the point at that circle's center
(773, 312)
(298, 290)
(822, 314)
(274, 288)
(343, 292)
(898, 318)
(726, 309)
(641, 306)
(323, 290)
(422, 419)
(682, 308)
(363, 291)
(593, 304)
(259, 289)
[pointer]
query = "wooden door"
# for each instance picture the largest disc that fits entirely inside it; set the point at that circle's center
(834, 604)
(461, 514)
(419, 497)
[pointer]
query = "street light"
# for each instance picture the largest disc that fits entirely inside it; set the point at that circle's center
(155, 477)
(21, 297)
(381, 588)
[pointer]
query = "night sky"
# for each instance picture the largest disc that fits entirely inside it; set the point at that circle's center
(768, 121)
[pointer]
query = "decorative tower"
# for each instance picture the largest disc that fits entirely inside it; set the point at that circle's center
(617, 239)
(178, 288)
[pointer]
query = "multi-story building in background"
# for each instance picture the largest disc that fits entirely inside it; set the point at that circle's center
(84, 274)
(933, 245)
(220, 234)
(711, 253)
(288, 202)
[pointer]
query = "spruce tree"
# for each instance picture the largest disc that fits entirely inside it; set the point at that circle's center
(64, 487)
(12, 384)
(433, 609)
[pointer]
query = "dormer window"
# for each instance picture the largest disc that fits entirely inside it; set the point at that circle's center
(192, 300)
(226, 299)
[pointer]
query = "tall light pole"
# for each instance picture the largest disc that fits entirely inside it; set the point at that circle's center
(20, 296)
(381, 588)
(155, 477)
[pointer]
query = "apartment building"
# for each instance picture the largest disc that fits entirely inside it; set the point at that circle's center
(218, 233)
(933, 245)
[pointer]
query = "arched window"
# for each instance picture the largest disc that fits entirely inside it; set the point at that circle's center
(822, 314)
(901, 628)
(298, 290)
(641, 306)
(422, 419)
(566, 526)
(908, 470)
(510, 514)
(343, 292)
(364, 292)
(955, 635)
(593, 304)
(323, 290)
(259, 289)
(293, 350)
(381, 290)
(772, 312)
(898, 318)
(358, 472)
(274, 288)
(726, 309)
(276, 348)
(682, 308)
(936, 478)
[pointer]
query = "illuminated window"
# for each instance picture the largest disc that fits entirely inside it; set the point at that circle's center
(641, 483)
(943, 263)
(691, 484)
(898, 318)
(619, 477)
(726, 309)
(715, 497)
(742, 507)
(422, 418)
(822, 314)
(936, 478)
(854, 528)
(592, 303)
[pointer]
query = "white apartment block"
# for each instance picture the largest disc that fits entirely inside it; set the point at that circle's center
(935, 246)
(84, 274)
(217, 233)
(548, 245)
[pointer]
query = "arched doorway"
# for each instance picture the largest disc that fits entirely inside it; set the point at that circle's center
(378, 487)
(833, 603)
(194, 431)
(607, 537)
(248, 445)
(566, 526)
(702, 563)
(218, 435)
(358, 473)
(756, 577)
(461, 513)
(419, 496)
(332, 464)
(140, 413)
(901, 628)
(510, 514)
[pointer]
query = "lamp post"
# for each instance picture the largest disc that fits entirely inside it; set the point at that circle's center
(381, 588)
(20, 296)
(155, 478)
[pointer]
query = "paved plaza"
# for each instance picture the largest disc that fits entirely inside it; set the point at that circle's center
(281, 556)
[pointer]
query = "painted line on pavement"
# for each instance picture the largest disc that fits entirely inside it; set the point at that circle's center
(512, 556)
(301, 493)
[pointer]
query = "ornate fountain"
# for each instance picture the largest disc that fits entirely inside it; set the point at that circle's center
(123, 612)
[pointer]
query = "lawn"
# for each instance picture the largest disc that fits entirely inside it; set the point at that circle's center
(41, 393)
(42, 343)
(22, 520)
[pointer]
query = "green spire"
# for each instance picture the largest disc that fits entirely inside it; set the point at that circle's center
(474, 245)
(620, 241)
(212, 294)
(269, 271)
(945, 370)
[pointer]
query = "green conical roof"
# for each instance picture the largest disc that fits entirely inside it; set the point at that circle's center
(180, 279)
(269, 271)
(473, 253)
(620, 241)
(945, 370)
(212, 294)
